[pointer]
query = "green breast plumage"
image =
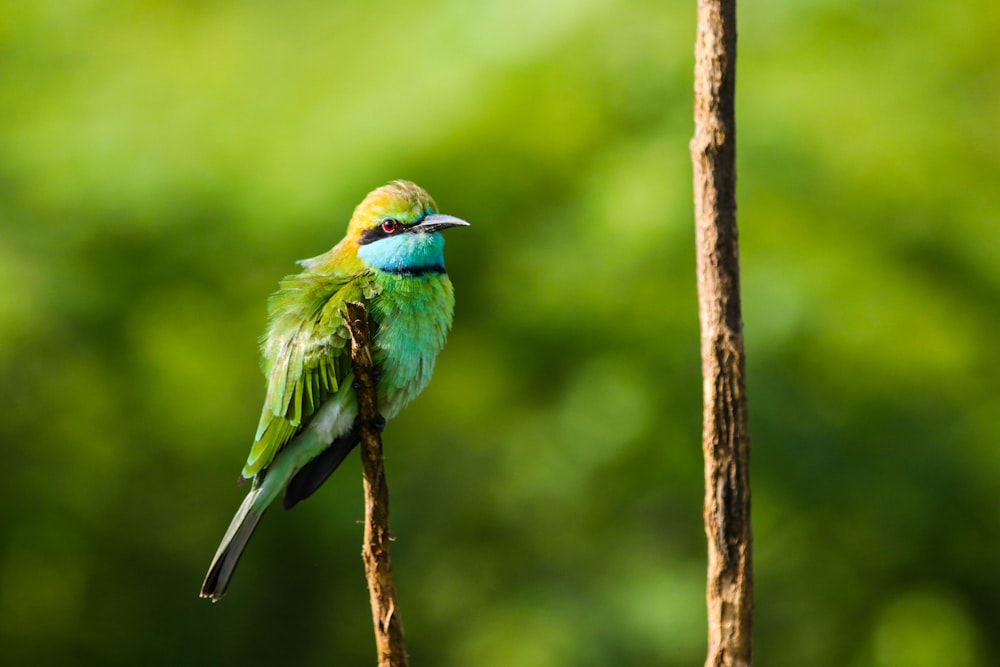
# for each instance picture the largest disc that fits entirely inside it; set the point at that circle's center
(412, 315)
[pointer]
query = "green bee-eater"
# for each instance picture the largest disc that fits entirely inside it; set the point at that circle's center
(391, 260)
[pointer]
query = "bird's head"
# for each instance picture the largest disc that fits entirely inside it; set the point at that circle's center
(397, 229)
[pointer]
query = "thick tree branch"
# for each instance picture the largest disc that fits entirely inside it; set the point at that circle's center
(725, 434)
(375, 552)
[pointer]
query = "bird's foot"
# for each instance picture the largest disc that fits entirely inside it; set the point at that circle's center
(379, 423)
(376, 377)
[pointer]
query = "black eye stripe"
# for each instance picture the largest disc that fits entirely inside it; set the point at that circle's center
(378, 232)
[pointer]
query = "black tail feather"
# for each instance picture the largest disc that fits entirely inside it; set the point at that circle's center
(313, 474)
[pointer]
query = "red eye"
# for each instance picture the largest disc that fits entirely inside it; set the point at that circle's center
(389, 225)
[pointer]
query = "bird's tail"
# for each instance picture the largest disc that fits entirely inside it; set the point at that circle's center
(232, 546)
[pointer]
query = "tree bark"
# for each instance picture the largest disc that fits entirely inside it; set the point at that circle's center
(375, 551)
(725, 434)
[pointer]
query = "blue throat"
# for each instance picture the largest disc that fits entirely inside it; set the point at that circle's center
(409, 254)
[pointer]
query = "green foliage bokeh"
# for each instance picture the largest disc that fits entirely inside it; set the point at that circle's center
(163, 163)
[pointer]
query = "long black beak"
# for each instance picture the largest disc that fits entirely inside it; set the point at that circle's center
(437, 222)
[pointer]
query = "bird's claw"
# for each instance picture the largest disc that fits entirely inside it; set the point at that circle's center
(378, 421)
(376, 376)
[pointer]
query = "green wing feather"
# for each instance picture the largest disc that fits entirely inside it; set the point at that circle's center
(305, 356)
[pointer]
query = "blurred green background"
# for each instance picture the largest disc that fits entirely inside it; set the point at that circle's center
(163, 163)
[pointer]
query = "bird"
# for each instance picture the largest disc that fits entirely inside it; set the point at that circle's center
(391, 259)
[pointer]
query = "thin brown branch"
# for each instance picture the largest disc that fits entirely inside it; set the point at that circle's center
(375, 552)
(725, 434)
